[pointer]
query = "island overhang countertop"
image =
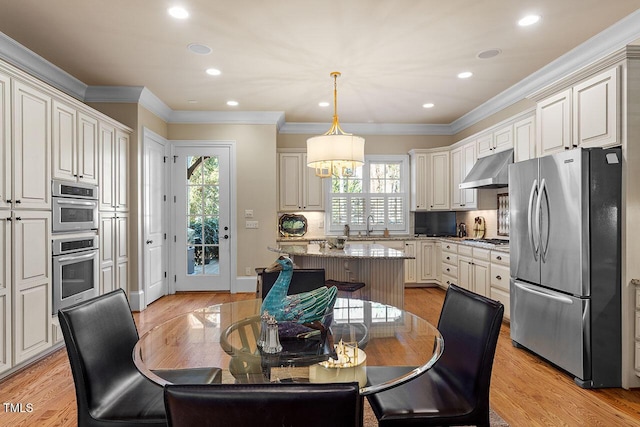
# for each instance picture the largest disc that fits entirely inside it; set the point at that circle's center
(350, 251)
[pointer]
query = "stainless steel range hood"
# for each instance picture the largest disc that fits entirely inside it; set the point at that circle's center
(490, 172)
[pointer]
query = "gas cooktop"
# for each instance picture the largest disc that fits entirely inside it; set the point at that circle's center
(492, 241)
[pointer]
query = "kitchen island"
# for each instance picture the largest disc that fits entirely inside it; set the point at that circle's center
(379, 267)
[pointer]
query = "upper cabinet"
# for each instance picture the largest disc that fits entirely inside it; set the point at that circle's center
(524, 139)
(75, 145)
(462, 160)
(430, 184)
(114, 176)
(5, 142)
(494, 142)
(299, 188)
(31, 148)
(584, 115)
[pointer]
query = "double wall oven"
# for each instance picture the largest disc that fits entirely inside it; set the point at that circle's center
(76, 257)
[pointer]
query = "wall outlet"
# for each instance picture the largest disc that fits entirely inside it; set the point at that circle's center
(251, 224)
(321, 224)
(248, 213)
(247, 271)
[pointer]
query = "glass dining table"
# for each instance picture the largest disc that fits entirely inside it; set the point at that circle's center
(357, 334)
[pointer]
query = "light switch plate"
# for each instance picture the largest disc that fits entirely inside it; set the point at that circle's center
(251, 224)
(248, 213)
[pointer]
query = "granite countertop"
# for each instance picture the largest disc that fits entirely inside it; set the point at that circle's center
(351, 250)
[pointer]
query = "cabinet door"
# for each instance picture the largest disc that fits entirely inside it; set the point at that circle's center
(502, 139)
(313, 193)
(469, 195)
(122, 171)
(595, 111)
(32, 283)
(456, 178)
(5, 291)
(32, 147)
(553, 124)
(106, 183)
(438, 260)
(524, 140)
(6, 169)
(107, 234)
(440, 189)
(485, 145)
(427, 261)
(410, 265)
(87, 158)
(465, 273)
(420, 180)
(290, 177)
(481, 278)
(63, 142)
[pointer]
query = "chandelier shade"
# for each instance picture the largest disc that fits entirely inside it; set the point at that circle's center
(336, 152)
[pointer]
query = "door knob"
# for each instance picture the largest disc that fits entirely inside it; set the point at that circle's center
(226, 236)
(149, 242)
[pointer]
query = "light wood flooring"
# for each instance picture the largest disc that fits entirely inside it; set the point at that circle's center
(525, 391)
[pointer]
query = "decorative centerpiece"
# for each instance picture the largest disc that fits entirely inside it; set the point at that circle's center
(350, 365)
(308, 308)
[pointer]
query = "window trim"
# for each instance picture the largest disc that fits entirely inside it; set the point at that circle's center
(405, 181)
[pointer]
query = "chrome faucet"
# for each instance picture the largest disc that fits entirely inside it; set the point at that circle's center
(369, 229)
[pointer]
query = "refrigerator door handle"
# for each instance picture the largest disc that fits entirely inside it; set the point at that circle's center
(530, 219)
(542, 248)
(553, 296)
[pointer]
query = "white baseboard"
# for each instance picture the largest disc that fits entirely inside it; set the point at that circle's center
(136, 300)
(245, 284)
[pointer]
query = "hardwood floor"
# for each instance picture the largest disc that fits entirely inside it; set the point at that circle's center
(525, 391)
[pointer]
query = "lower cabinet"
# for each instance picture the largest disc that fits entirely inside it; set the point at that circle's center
(410, 265)
(426, 260)
(5, 291)
(449, 264)
(473, 269)
(500, 279)
(114, 251)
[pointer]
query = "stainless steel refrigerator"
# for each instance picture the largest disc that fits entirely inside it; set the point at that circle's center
(565, 262)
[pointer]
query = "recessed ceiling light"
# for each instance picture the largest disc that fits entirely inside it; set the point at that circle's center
(428, 105)
(199, 48)
(213, 71)
(178, 12)
(529, 20)
(323, 104)
(232, 103)
(465, 75)
(489, 53)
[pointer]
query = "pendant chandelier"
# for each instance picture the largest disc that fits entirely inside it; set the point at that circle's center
(336, 152)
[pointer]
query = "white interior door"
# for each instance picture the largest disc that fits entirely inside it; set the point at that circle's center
(155, 228)
(201, 188)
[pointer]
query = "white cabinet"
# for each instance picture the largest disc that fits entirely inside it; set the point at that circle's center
(5, 291)
(6, 168)
(410, 265)
(31, 148)
(473, 269)
(449, 264)
(299, 187)
(430, 180)
(499, 140)
(500, 279)
(462, 160)
(524, 140)
(32, 296)
(114, 168)
(585, 115)
(426, 261)
(74, 144)
(595, 111)
(114, 251)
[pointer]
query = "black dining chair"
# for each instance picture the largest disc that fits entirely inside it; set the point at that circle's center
(100, 334)
(455, 391)
(264, 405)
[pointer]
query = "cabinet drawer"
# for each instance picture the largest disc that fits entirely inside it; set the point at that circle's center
(638, 325)
(449, 258)
(448, 280)
(450, 270)
(499, 257)
(449, 247)
(500, 277)
(503, 297)
(481, 254)
(638, 298)
(465, 250)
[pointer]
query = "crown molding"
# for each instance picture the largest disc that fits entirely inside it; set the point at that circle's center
(601, 45)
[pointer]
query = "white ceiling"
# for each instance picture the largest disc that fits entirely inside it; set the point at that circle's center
(277, 55)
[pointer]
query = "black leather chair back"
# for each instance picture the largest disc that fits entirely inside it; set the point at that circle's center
(470, 326)
(264, 405)
(302, 280)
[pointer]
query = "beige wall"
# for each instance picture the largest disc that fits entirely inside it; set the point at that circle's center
(256, 164)
(494, 119)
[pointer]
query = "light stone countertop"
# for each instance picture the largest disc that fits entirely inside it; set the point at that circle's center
(351, 250)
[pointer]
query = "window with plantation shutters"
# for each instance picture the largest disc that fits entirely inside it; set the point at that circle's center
(379, 188)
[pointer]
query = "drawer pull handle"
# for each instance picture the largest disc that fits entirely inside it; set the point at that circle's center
(448, 269)
(448, 258)
(499, 277)
(499, 258)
